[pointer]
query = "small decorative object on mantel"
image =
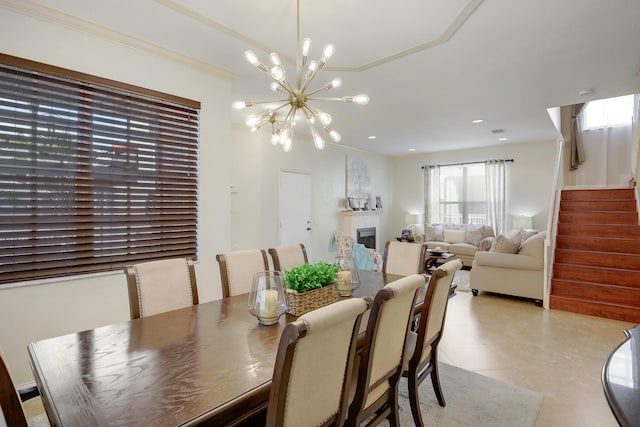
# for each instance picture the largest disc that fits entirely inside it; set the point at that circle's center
(310, 286)
(378, 203)
(267, 300)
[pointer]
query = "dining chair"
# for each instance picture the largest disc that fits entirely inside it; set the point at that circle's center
(403, 258)
(314, 364)
(285, 257)
(161, 285)
(237, 269)
(422, 344)
(381, 359)
(10, 402)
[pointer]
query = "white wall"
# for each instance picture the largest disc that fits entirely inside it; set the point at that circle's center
(255, 169)
(529, 179)
(45, 309)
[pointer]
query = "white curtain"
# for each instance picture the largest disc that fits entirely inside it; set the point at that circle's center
(432, 194)
(495, 171)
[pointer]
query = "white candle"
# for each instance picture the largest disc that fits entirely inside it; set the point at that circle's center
(344, 280)
(269, 303)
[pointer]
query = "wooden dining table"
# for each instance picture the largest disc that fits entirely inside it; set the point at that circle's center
(209, 364)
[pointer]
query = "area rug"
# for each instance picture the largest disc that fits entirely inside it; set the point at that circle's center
(461, 279)
(472, 400)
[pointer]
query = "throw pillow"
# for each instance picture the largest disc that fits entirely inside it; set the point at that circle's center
(474, 234)
(505, 245)
(454, 236)
(434, 233)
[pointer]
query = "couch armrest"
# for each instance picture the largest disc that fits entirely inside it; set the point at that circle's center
(502, 260)
(485, 244)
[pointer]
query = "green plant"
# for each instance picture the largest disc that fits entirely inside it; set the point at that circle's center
(307, 277)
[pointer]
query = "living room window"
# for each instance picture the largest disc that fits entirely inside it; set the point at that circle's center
(462, 197)
(608, 112)
(94, 174)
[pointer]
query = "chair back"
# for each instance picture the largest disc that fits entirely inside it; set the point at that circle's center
(162, 285)
(237, 269)
(382, 357)
(404, 258)
(9, 400)
(315, 355)
(433, 311)
(285, 257)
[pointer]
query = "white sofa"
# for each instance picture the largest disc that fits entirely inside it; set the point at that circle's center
(462, 240)
(519, 274)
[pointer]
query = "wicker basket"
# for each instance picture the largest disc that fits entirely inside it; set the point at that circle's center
(301, 303)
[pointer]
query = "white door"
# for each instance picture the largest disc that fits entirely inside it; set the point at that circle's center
(295, 209)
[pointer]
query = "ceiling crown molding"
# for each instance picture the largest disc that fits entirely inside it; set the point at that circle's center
(455, 25)
(43, 13)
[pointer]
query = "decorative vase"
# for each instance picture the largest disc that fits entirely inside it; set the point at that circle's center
(267, 300)
(348, 276)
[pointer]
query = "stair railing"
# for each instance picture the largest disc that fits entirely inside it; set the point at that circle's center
(552, 221)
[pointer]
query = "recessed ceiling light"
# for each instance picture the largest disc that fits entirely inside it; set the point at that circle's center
(412, 149)
(477, 121)
(502, 139)
(372, 137)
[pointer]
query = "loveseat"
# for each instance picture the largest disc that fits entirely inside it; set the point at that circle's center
(462, 240)
(514, 265)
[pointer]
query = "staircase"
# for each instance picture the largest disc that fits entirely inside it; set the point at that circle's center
(596, 267)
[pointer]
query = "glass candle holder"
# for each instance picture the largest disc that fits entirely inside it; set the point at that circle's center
(348, 276)
(267, 300)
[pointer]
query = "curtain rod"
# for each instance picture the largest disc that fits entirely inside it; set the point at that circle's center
(468, 163)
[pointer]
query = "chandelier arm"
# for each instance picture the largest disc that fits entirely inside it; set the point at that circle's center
(271, 101)
(309, 79)
(319, 90)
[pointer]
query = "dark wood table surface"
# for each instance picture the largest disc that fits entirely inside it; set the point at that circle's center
(210, 363)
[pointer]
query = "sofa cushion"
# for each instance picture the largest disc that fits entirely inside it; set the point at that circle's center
(463, 249)
(474, 234)
(534, 245)
(434, 232)
(454, 236)
(513, 261)
(505, 245)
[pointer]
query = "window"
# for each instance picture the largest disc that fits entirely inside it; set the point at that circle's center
(463, 194)
(608, 112)
(94, 174)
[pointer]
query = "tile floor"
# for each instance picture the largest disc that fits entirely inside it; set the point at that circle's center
(558, 354)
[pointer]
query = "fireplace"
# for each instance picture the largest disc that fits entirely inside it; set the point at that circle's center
(367, 236)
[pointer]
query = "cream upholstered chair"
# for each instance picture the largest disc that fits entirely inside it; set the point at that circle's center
(237, 269)
(162, 285)
(285, 257)
(381, 359)
(10, 402)
(404, 258)
(316, 355)
(422, 344)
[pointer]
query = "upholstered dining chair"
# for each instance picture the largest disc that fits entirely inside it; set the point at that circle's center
(381, 359)
(237, 269)
(404, 258)
(316, 355)
(285, 257)
(422, 344)
(10, 402)
(161, 285)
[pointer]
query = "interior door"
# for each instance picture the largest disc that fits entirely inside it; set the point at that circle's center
(295, 208)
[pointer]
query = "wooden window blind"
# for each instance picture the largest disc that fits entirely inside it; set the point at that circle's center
(94, 174)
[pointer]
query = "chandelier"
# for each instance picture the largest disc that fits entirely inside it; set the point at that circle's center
(297, 96)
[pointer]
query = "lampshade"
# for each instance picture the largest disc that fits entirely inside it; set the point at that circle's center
(413, 219)
(522, 221)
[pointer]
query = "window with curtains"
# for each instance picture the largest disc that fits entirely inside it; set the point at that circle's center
(463, 194)
(94, 174)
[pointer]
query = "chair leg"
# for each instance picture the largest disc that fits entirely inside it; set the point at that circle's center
(414, 400)
(435, 380)
(394, 416)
